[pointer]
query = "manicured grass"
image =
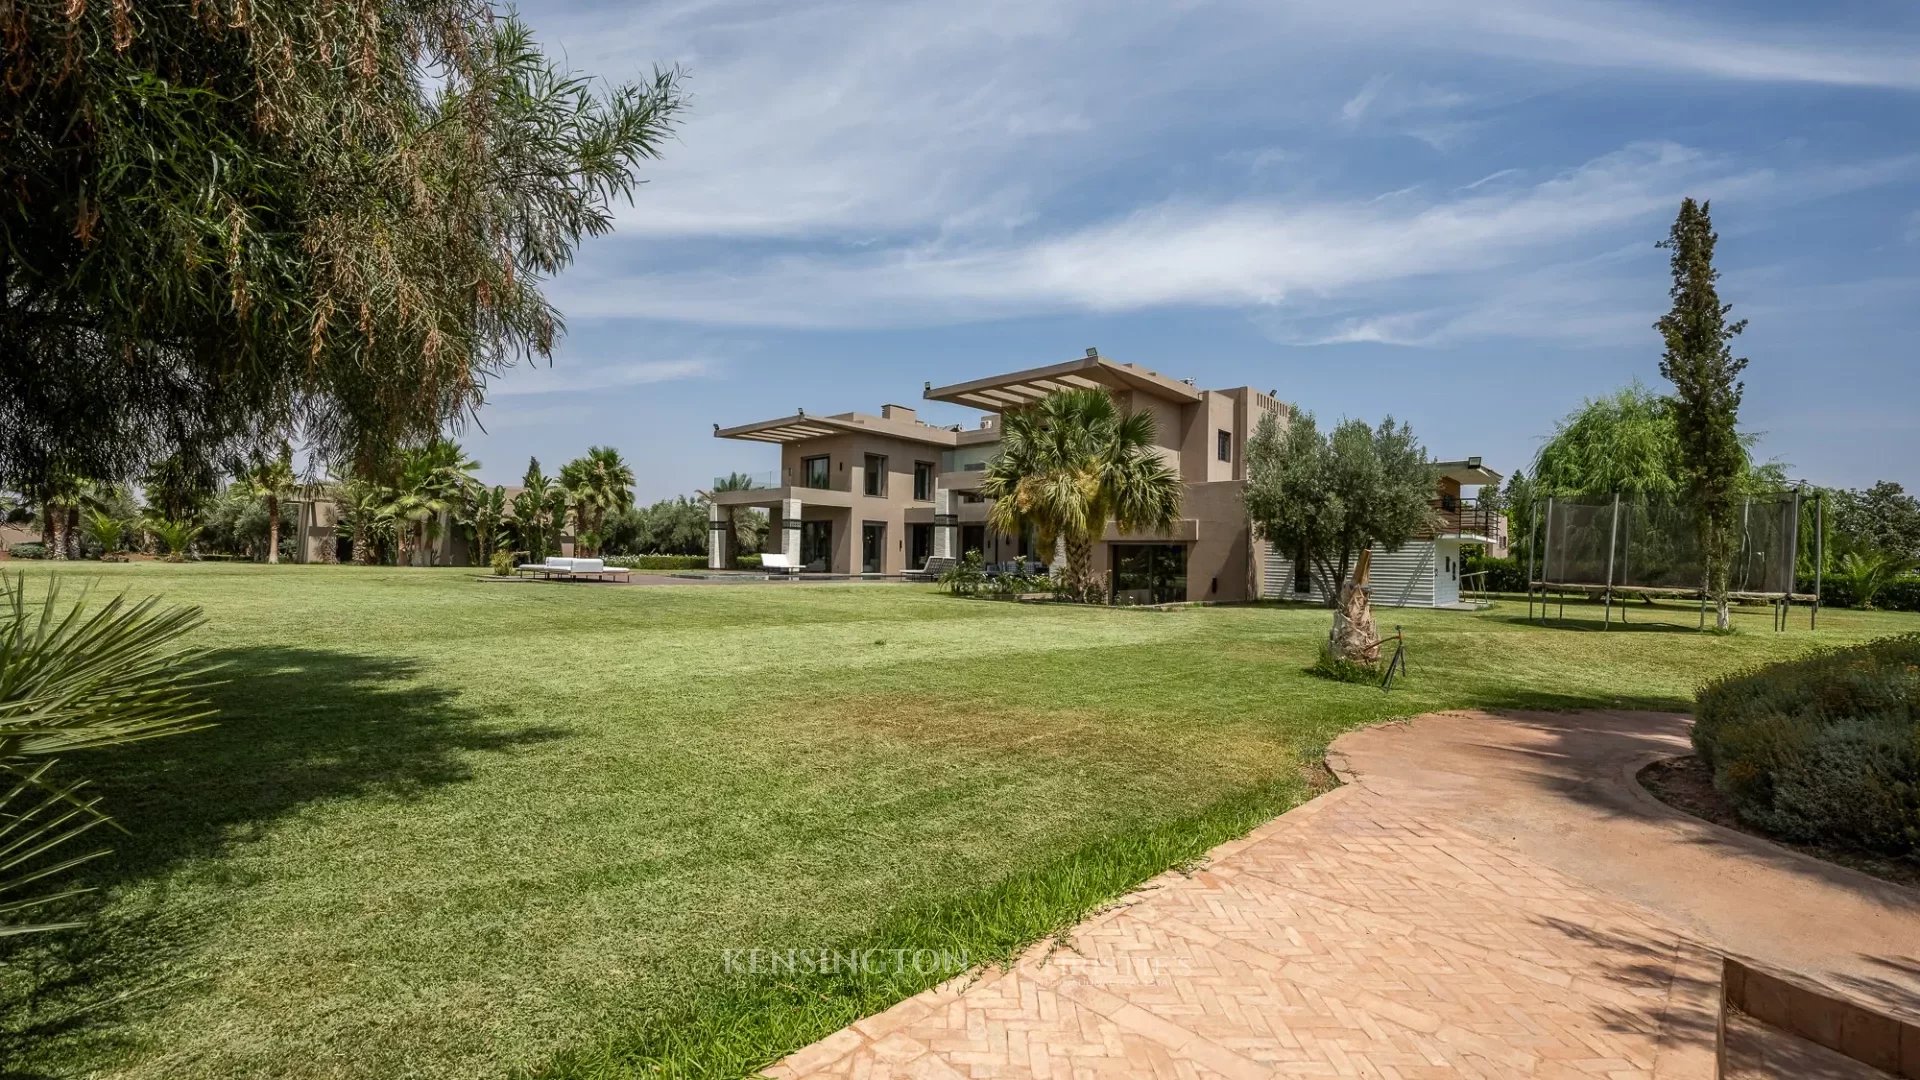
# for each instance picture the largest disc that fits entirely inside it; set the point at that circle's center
(448, 828)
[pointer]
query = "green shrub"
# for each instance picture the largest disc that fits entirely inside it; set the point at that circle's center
(1822, 749)
(659, 562)
(29, 550)
(965, 576)
(1503, 575)
(502, 562)
(749, 561)
(1340, 669)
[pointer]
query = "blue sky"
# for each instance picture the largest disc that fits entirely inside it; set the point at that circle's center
(1440, 209)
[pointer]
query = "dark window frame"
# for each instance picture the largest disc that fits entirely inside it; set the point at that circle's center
(875, 484)
(826, 471)
(923, 492)
(1224, 445)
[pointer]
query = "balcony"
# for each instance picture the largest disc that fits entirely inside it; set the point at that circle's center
(767, 479)
(1467, 520)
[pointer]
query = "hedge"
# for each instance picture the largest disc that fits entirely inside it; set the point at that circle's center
(1825, 748)
(675, 562)
(1503, 575)
(27, 550)
(1900, 595)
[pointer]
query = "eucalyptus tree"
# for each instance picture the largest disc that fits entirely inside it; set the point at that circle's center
(1069, 464)
(233, 219)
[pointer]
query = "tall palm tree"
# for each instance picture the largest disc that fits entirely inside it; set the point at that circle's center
(598, 482)
(364, 518)
(62, 498)
(733, 481)
(484, 510)
(1070, 463)
(270, 479)
(532, 510)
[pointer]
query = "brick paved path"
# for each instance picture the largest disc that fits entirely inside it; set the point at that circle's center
(1352, 937)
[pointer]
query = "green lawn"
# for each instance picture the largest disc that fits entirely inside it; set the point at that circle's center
(449, 828)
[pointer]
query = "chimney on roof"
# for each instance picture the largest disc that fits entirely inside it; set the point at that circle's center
(1093, 353)
(898, 412)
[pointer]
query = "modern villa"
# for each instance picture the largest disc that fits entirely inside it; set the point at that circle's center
(859, 494)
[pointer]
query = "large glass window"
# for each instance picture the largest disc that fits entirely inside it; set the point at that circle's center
(816, 472)
(876, 475)
(1224, 442)
(923, 481)
(873, 548)
(919, 545)
(1149, 573)
(816, 546)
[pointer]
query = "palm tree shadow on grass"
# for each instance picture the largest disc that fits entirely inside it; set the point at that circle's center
(295, 727)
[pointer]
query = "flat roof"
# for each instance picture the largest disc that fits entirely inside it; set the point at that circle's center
(1467, 473)
(998, 393)
(801, 426)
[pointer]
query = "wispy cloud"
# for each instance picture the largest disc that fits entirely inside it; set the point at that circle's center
(573, 377)
(1243, 252)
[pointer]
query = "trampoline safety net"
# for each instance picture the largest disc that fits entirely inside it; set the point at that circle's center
(1652, 545)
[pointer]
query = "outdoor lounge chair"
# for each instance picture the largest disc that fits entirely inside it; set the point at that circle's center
(553, 565)
(775, 563)
(596, 570)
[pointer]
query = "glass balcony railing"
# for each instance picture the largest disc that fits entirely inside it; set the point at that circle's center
(739, 481)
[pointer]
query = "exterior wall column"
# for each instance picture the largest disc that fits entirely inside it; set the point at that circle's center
(946, 525)
(790, 530)
(717, 553)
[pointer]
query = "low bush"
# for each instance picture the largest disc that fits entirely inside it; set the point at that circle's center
(502, 562)
(659, 562)
(28, 550)
(1823, 749)
(1900, 594)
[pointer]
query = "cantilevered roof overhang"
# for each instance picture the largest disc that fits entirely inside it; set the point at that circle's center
(800, 426)
(1468, 473)
(784, 430)
(999, 393)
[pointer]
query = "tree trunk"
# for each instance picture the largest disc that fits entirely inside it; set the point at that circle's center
(362, 545)
(1354, 636)
(57, 518)
(46, 528)
(1080, 569)
(273, 529)
(73, 532)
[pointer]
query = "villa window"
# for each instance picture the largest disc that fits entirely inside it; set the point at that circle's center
(923, 481)
(817, 471)
(1224, 441)
(876, 476)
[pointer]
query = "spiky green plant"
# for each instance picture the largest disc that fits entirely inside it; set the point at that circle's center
(175, 537)
(1867, 574)
(107, 531)
(74, 678)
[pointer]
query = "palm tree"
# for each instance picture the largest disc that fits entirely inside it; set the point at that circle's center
(533, 510)
(1069, 464)
(484, 510)
(175, 537)
(596, 483)
(733, 481)
(1867, 574)
(363, 518)
(78, 678)
(271, 479)
(107, 531)
(430, 480)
